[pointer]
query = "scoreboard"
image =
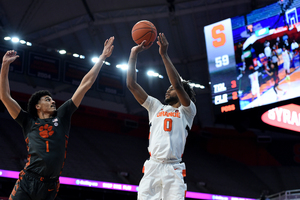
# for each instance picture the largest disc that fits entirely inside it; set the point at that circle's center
(222, 66)
(254, 61)
(241, 53)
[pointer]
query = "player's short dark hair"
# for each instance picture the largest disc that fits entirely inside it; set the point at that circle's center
(34, 99)
(189, 90)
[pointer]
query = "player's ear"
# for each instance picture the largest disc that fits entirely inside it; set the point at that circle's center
(37, 106)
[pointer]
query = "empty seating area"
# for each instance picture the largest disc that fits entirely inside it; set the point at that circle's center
(105, 156)
(13, 148)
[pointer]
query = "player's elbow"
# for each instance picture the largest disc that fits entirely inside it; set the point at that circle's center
(130, 84)
(130, 87)
(86, 85)
(4, 97)
(2, 94)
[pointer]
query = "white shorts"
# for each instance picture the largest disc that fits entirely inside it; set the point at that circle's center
(162, 181)
(286, 65)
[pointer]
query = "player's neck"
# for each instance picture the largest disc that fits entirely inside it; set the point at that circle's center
(176, 105)
(43, 115)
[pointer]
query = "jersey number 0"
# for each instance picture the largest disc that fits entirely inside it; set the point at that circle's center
(168, 124)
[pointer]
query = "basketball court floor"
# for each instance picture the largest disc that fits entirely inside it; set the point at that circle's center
(290, 88)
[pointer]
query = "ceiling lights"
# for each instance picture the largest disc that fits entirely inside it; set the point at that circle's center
(17, 40)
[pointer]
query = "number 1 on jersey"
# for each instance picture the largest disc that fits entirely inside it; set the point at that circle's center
(47, 146)
(168, 124)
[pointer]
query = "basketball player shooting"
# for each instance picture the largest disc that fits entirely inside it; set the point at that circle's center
(255, 90)
(169, 126)
(45, 129)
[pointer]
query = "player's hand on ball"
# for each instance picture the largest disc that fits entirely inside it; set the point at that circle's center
(139, 48)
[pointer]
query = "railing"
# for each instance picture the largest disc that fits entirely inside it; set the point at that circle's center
(286, 195)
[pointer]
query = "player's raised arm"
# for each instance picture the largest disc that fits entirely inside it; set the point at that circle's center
(173, 75)
(89, 79)
(11, 105)
(137, 91)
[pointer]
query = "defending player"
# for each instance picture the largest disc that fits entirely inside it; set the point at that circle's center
(274, 74)
(169, 126)
(46, 131)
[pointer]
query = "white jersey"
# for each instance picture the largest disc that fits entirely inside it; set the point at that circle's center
(286, 56)
(254, 83)
(294, 45)
(286, 59)
(268, 52)
(168, 128)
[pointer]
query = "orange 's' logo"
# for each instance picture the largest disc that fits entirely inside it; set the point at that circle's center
(218, 35)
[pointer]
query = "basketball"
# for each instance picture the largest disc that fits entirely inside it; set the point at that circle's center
(144, 30)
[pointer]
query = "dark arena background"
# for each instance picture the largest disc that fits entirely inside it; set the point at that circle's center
(241, 147)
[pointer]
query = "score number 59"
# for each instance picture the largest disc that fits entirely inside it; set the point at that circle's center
(219, 40)
(222, 61)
